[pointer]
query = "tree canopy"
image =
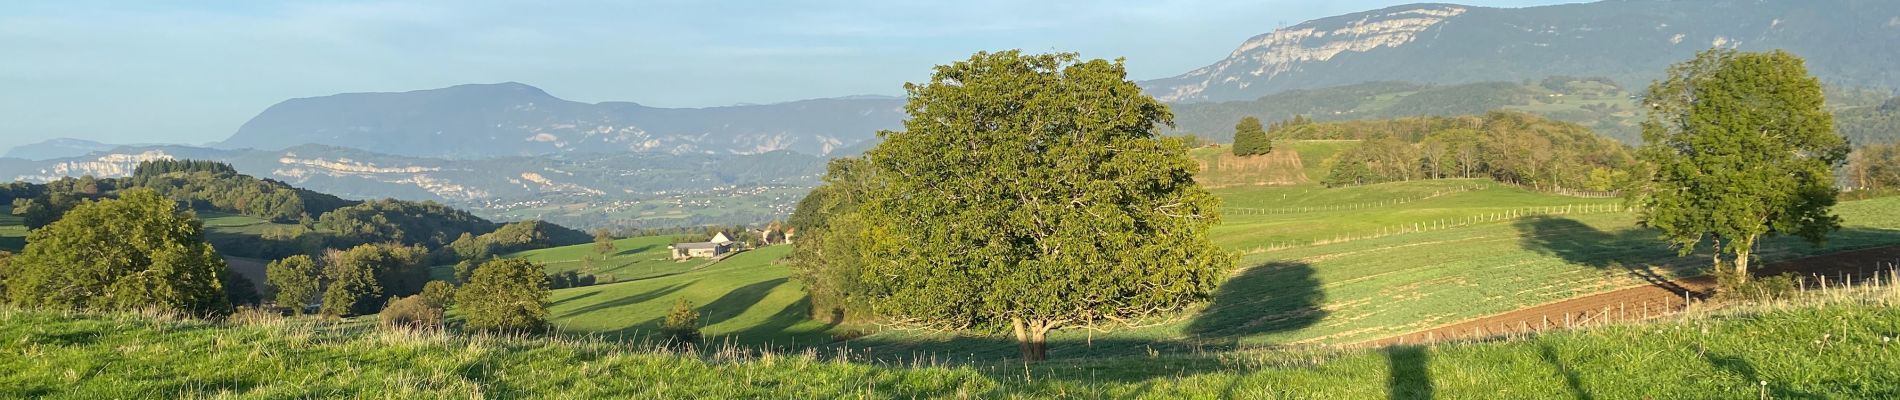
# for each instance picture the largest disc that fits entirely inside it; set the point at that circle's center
(1030, 193)
(296, 280)
(505, 294)
(1250, 138)
(135, 252)
(1741, 147)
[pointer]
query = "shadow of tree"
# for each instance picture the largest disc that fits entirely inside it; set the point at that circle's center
(636, 250)
(632, 300)
(1642, 254)
(1275, 297)
(737, 301)
(1739, 366)
(1571, 379)
(1410, 375)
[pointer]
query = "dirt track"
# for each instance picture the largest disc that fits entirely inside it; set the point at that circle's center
(1662, 298)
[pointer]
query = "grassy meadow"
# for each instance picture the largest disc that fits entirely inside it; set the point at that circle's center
(1826, 346)
(1318, 266)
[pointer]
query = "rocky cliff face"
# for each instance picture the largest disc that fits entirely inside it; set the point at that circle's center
(1846, 42)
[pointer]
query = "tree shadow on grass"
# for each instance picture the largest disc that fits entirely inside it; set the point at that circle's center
(1642, 254)
(737, 301)
(1271, 298)
(636, 250)
(1409, 372)
(632, 299)
(1739, 366)
(1263, 300)
(1571, 379)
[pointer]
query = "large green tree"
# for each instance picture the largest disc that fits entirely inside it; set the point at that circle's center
(364, 278)
(1250, 138)
(1741, 147)
(505, 294)
(296, 280)
(136, 252)
(1031, 193)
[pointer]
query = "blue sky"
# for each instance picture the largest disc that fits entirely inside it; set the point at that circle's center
(192, 72)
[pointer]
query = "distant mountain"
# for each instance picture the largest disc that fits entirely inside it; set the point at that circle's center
(1852, 43)
(581, 190)
(513, 119)
(57, 148)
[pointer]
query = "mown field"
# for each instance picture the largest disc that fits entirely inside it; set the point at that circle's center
(1832, 347)
(12, 230)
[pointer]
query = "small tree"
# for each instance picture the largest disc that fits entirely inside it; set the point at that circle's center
(1250, 138)
(139, 251)
(505, 294)
(439, 294)
(682, 324)
(296, 280)
(603, 243)
(1741, 147)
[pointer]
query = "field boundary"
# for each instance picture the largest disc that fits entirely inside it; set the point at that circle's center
(1654, 300)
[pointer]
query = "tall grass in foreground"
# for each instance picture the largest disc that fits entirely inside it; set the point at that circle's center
(1833, 344)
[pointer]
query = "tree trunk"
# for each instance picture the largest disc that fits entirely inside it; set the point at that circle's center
(1742, 250)
(1032, 337)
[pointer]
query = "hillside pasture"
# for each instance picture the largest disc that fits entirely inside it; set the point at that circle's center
(633, 259)
(748, 298)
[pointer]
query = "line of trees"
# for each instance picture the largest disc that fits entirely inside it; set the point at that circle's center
(1874, 167)
(1509, 147)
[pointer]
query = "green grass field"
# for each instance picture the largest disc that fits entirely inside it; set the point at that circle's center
(1470, 257)
(633, 258)
(1835, 347)
(747, 298)
(12, 230)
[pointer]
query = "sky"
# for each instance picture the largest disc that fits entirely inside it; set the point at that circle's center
(193, 72)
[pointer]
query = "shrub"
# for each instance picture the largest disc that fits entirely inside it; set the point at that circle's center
(682, 324)
(1729, 288)
(411, 313)
(509, 294)
(439, 294)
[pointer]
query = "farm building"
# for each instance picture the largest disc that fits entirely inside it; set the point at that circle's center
(718, 246)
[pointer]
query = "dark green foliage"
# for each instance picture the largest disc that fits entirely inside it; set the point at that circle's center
(828, 253)
(681, 325)
(1250, 139)
(1505, 146)
(208, 185)
(513, 237)
(296, 280)
(366, 276)
(570, 279)
(410, 313)
(1740, 147)
(138, 251)
(40, 205)
(240, 292)
(439, 294)
(407, 222)
(1030, 193)
(506, 294)
(155, 168)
